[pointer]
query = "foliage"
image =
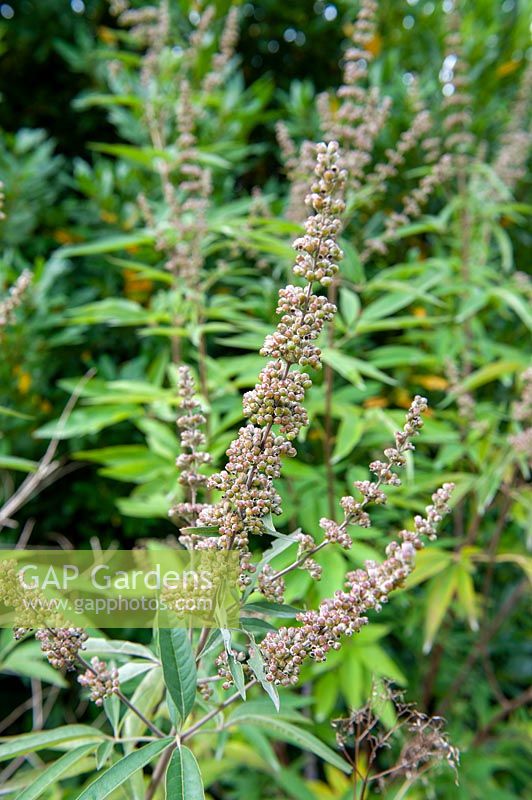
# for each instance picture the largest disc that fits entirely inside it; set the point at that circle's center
(153, 248)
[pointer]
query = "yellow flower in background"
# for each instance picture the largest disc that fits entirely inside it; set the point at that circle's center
(507, 68)
(106, 35)
(136, 287)
(108, 216)
(62, 236)
(374, 46)
(24, 382)
(376, 402)
(434, 383)
(403, 399)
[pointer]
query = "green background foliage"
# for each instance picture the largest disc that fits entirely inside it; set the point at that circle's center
(73, 157)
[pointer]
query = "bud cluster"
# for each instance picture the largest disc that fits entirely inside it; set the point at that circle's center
(102, 681)
(522, 413)
(246, 483)
(61, 645)
(14, 298)
(270, 585)
(344, 614)
(224, 671)
(193, 440)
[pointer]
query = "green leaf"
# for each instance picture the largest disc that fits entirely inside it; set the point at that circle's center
(13, 746)
(349, 306)
(179, 668)
(349, 432)
(256, 664)
(429, 562)
(345, 365)
(467, 600)
(353, 368)
(183, 778)
(237, 671)
(19, 464)
(54, 772)
(439, 599)
(286, 732)
(280, 610)
(84, 421)
(515, 303)
(116, 775)
(26, 659)
(107, 245)
(114, 311)
(9, 412)
(491, 372)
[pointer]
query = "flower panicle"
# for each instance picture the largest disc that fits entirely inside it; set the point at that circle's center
(193, 441)
(344, 614)
(101, 680)
(246, 483)
(15, 298)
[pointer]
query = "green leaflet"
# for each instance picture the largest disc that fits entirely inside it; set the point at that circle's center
(13, 746)
(116, 775)
(183, 778)
(179, 668)
(54, 772)
(439, 598)
(287, 732)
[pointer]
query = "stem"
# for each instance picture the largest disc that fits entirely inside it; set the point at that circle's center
(201, 722)
(482, 642)
(329, 387)
(494, 543)
(153, 728)
(347, 521)
(159, 771)
(522, 699)
(47, 465)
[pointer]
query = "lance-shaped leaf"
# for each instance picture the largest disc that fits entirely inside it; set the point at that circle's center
(286, 732)
(183, 778)
(179, 668)
(439, 598)
(118, 774)
(54, 772)
(13, 746)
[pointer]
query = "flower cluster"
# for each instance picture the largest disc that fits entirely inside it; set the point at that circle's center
(522, 413)
(14, 298)
(193, 440)
(345, 613)
(511, 161)
(299, 168)
(465, 401)
(271, 585)
(361, 113)
(61, 645)
(246, 483)
(228, 42)
(102, 681)
(457, 103)
(303, 316)
(223, 668)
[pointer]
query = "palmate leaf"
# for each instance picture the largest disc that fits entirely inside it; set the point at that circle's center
(54, 772)
(118, 774)
(183, 778)
(179, 668)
